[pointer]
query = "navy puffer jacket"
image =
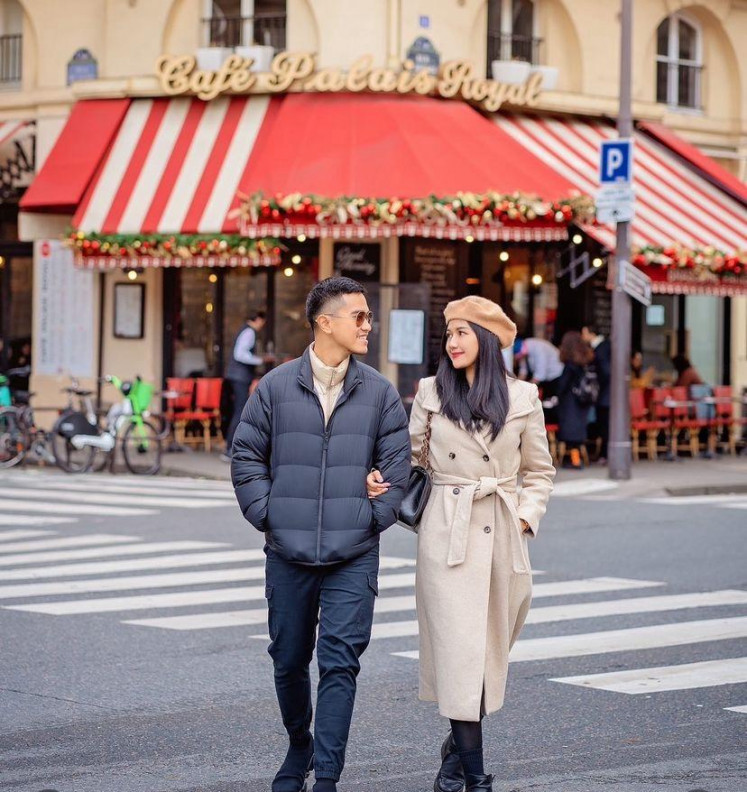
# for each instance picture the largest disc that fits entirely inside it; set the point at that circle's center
(304, 485)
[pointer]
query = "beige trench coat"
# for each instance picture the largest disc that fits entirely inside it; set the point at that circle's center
(474, 582)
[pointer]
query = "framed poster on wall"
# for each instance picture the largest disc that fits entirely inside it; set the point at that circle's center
(129, 309)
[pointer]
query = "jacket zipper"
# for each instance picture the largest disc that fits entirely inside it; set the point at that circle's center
(325, 445)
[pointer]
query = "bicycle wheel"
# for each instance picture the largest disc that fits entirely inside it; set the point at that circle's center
(13, 439)
(66, 455)
(141, 447)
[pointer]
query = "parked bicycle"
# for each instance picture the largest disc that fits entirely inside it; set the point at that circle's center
(81, 438)
(19, 434)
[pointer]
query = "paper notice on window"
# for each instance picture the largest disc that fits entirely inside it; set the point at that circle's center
(406, 336)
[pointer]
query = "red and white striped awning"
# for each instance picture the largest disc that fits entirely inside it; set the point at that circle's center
(14, 130)
(174, 166)
(674, 204)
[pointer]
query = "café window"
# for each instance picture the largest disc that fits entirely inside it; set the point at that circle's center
(511, 31)
(237, 23)
(679, 62)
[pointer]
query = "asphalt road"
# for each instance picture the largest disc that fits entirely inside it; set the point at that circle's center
(90, 702)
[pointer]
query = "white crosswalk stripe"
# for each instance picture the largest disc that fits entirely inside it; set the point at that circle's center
(7, 536)
(741, 709)
(30, 498)
(725, 501)
(66, 542)
(710, 673)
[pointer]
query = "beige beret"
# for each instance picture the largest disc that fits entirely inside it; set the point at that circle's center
(483, 312)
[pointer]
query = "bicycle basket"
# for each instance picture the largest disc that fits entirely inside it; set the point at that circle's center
(140, 396)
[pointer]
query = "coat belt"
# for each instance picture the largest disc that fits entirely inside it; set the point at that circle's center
(471, 490)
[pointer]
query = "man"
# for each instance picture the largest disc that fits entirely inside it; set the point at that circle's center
(241, 371)
(603, 367)
(308, 437)
(540, 360)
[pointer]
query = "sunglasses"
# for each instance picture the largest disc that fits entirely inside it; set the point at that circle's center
(361, 317)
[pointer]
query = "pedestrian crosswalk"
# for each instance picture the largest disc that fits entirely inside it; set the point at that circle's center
(49, 568)
(721, 501)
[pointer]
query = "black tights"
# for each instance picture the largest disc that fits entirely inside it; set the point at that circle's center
(467, 735)
(468, 740)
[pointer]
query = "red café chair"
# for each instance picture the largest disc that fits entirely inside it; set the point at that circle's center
(663, 414)
(726, 424)
(640, 422)
(552, 441)
(686, 422)
(178, 406)
(207, 408)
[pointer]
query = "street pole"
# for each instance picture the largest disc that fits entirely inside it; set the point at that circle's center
(619, 453)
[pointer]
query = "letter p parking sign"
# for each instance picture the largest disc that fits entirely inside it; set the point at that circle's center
(616, 161)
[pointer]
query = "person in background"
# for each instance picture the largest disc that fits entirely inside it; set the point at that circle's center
(687, 374)
(241, 371)
(573, 415)
(603, 365)
(638, 377)
(539, 361)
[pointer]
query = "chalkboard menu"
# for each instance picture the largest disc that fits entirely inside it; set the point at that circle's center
(441, 265)
(359, 261)
(601, 305)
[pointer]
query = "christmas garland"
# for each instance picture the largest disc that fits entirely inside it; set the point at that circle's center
(175, 247)
(462, 210)
(707, 260)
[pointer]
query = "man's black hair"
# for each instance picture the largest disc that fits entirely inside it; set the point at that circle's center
(326, 290)
(254, 315)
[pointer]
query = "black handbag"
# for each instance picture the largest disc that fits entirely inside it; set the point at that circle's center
(418, 487)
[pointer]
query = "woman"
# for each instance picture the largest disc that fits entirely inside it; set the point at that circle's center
(638, 377)
(573, 408)
(687, 374)
(474, 581)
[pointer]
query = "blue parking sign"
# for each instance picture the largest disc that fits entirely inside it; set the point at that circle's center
(616, 161)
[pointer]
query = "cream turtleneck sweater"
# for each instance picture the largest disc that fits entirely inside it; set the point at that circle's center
(328, 381)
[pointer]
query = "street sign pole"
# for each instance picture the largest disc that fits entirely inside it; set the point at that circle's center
(619, 453)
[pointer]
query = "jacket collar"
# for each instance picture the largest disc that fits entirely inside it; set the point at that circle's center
(306, 376)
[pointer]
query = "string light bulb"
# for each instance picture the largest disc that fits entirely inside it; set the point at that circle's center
(208, 307)
(132, 274)
(288, 272)
(213, 278)
(537, 280)
(504, 255)
(597, 262)
(301, 237)
(577, 239)
(296, 259)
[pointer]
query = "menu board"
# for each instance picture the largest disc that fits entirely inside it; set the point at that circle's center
(63, 336)
(439, 264)
(601, 302)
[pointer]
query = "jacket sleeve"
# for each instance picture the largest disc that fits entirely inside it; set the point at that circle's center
(250, 458)
(392, 458)
(536, 469)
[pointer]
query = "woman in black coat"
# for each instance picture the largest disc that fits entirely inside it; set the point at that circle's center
(573, 415)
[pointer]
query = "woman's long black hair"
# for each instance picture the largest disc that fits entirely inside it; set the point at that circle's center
(486, 403)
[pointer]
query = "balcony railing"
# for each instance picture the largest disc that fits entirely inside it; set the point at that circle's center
(267, 29)
(11, 53)
(512, 46)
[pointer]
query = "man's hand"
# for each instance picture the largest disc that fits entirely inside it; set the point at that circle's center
(375, 484)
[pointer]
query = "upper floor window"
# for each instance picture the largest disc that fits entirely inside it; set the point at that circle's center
(679, 62)
(11, 43)
(511, 31)
(234, 23)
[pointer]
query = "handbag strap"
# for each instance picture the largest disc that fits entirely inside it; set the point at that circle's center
(425, 449)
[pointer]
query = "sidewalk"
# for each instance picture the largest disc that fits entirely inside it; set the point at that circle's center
(683, 477)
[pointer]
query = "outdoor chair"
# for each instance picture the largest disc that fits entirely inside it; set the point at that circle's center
(206, 411)
(641, 423)
(178, 406)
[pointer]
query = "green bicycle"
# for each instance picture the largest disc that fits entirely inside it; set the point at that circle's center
(82, 438)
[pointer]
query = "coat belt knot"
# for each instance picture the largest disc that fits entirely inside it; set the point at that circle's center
(471, 490)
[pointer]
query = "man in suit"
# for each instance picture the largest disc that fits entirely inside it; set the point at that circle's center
(603, 366)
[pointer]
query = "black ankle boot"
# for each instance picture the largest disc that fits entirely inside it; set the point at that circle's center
(482, 783)
(299, 762)
(450, 777)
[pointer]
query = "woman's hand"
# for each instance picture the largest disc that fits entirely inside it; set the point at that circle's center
(375, 484)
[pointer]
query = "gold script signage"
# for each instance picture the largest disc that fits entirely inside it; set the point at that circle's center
(294, 71)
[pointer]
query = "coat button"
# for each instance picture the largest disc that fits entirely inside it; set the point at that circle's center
(452, 455)
(486, 529)
(456, 490)
(486, 457)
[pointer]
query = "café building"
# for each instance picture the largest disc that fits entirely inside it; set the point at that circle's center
(232, 189)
